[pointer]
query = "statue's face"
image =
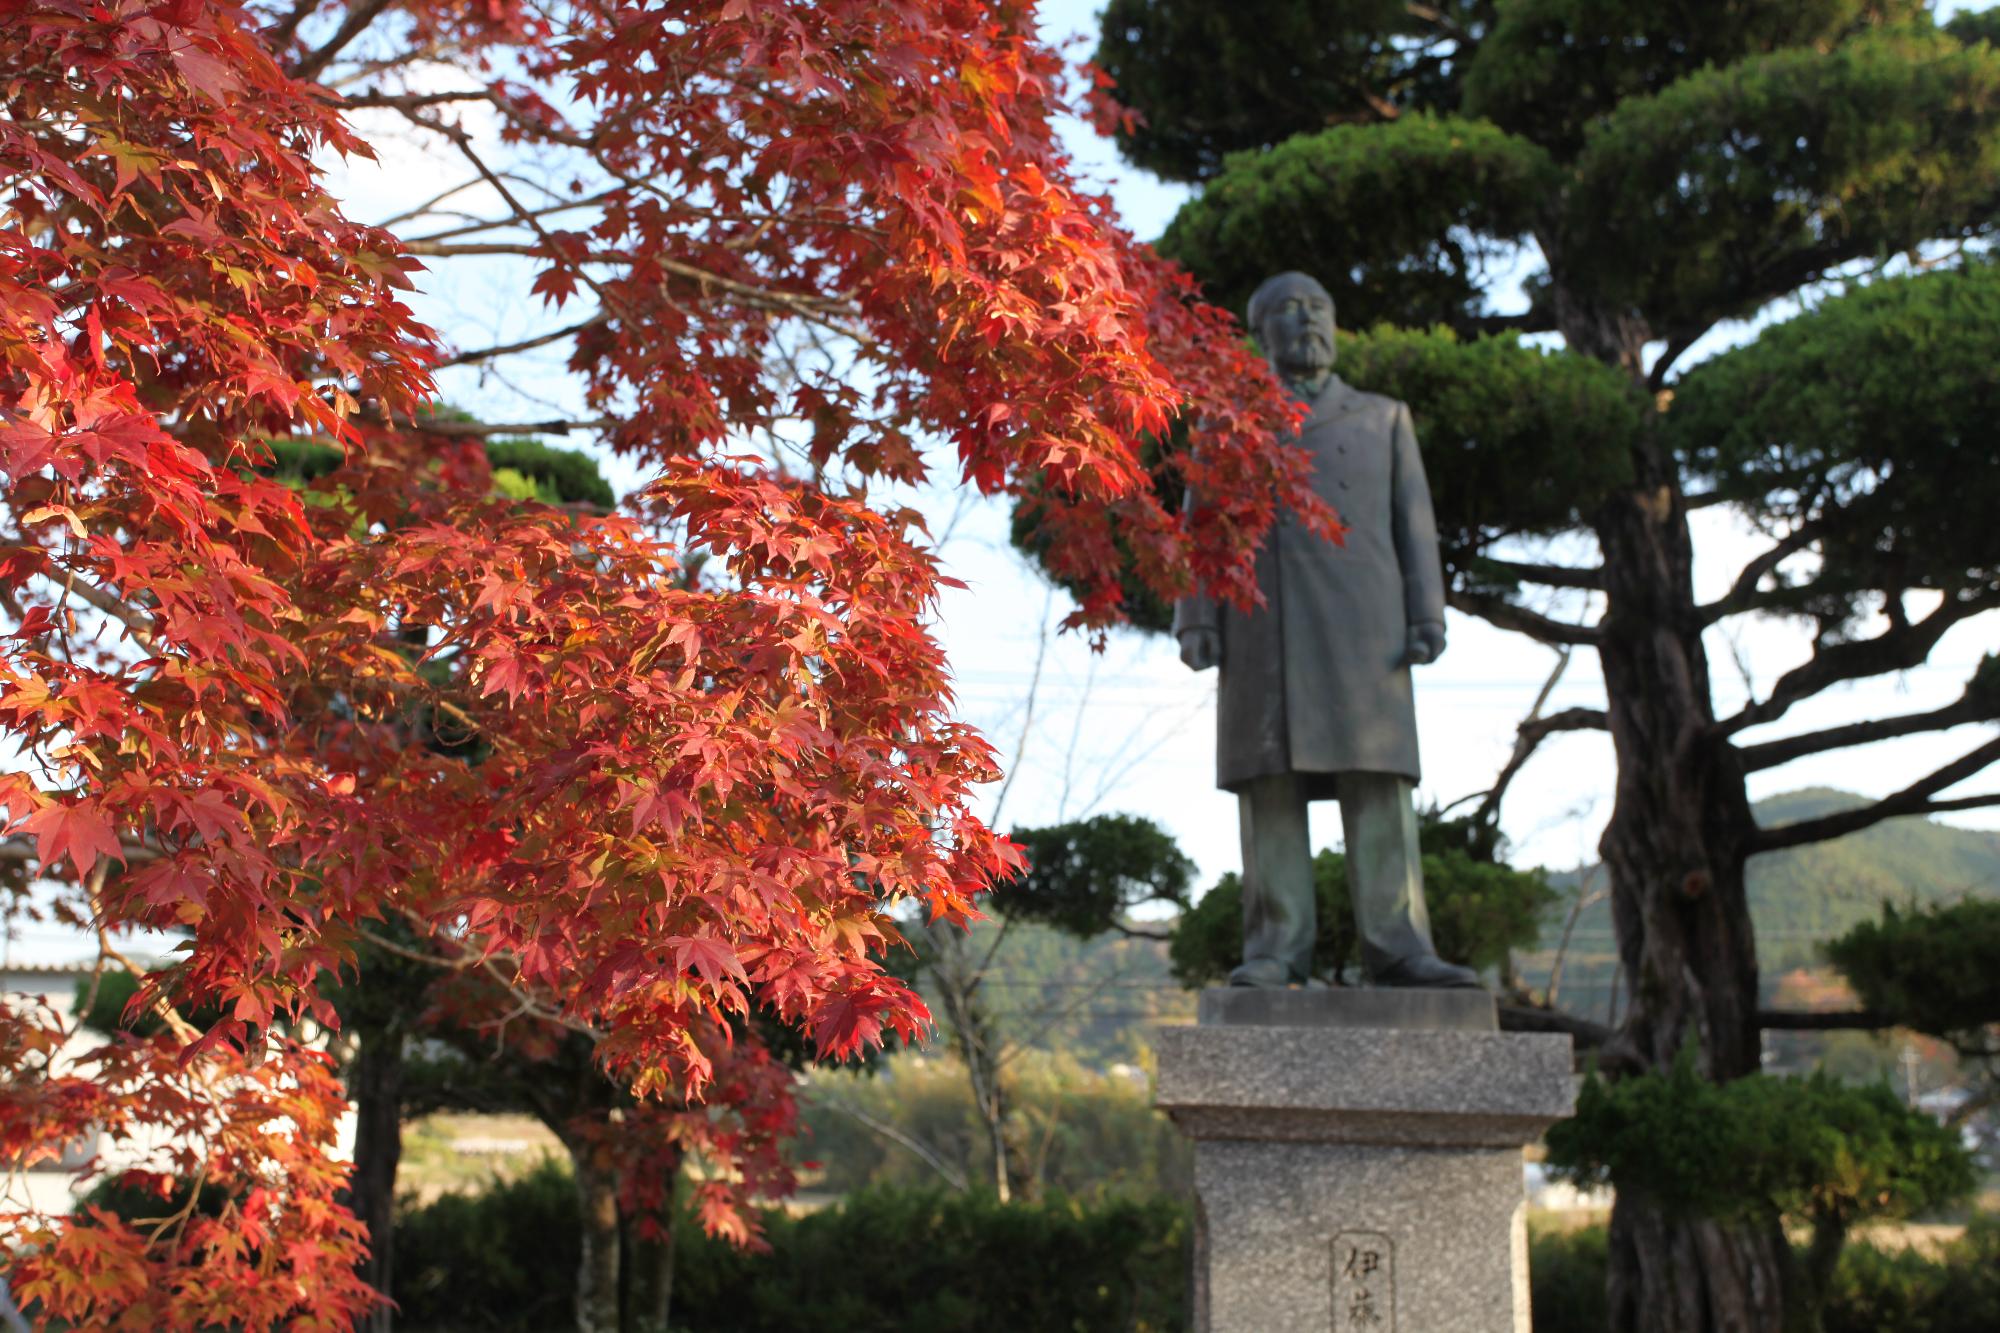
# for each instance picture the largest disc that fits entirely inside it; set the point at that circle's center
(1298, 331)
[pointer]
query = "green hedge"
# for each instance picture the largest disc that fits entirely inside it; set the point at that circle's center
(912, 1261)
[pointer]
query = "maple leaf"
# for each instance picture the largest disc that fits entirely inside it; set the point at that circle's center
(73, 829)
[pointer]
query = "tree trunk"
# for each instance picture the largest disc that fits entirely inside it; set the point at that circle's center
(649, 1293)
(1675, 848)
(648, 1235)
(597, 1275)
(375, 1084)
(977, 1043)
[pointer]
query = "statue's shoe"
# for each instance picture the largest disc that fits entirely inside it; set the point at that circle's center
(1426, 971)
(1265, 972)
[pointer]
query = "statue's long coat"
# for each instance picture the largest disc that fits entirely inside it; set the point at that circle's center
(1314, 682)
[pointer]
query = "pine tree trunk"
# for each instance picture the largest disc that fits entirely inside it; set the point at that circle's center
(375, 1085)
(1675, 848)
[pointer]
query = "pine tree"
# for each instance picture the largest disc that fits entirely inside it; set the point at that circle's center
(1660, 169)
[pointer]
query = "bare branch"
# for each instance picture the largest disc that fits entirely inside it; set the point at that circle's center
(1535, 729)
(1915, 799)
(1505, 614)
(924, 1153)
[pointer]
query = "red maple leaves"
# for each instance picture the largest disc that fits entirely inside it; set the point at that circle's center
(646, 773)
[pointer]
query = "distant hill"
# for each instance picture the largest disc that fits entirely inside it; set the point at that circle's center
(1800, 897)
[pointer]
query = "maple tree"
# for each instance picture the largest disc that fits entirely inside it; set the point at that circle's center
(716, 744)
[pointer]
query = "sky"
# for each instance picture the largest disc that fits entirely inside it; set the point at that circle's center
(1129, 729)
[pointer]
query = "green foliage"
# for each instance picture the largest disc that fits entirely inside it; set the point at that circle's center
(937, 1260)
(302, 461)
(1073, 1131)
(1737, 184)
(102, 1003)
(1212, 79)
(1899, 1290)
(1809, 1149)
(1874, 415)
(1397, 220)
(1480, 910)
(1566, 1280)
(523, 469)
(1516, 441)
(1551, 68)
(1085, 876)
(1932, 969)
(1975, 25)
(554, 476)
(503, 1258)
(1958, 1291)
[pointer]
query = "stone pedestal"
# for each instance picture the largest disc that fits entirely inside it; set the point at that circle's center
(1358, 1158)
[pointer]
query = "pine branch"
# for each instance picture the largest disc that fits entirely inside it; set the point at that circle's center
(1770, 754)
(1915, 799)
(1549, 576)
(1801, 1020)
(1742, 595)
(1899, 648)
(1505, 614)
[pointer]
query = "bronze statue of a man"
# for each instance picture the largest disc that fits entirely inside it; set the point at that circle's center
(1314, 701)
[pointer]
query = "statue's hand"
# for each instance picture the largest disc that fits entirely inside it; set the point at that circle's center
(1201, 648)
(1426, 643)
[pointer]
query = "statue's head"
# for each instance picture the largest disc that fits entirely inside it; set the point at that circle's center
(1292, 316)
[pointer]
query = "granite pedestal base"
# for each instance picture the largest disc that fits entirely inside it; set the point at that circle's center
(1358, 1158)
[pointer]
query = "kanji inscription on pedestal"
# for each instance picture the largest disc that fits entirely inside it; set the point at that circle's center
(1364, 1283)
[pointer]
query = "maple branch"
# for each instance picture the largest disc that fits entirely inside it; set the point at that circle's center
(559, 426)
(142, 626)
(1505, 614)
(1898, 648)
(1742, 594)
(357, 21)
(525, 345)
(1770, 754)
(475, 225)
(286, 28)
(413, 101)
(1914, 799)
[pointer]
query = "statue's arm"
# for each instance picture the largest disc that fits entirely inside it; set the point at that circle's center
(1415, 528)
